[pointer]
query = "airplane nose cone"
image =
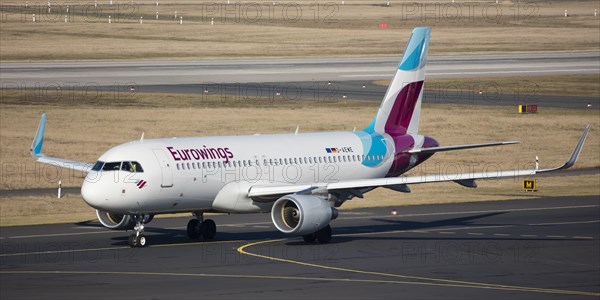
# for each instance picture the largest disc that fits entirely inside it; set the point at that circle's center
(91, 194)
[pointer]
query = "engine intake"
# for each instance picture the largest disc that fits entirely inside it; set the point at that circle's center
(115, 221)
(302, 214)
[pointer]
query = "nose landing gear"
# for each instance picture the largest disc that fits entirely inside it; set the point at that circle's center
(200, 228)
(138, 239)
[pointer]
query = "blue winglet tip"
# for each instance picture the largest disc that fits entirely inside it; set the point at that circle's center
(38, 140)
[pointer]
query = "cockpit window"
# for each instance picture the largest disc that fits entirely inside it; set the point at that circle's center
(132, 166)
(111, 166)
(98, 166)
(128, 166)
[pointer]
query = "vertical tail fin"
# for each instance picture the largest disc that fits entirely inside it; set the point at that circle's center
(399, 112)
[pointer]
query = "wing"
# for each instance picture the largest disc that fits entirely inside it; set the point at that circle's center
(400, 183)
(39, 156)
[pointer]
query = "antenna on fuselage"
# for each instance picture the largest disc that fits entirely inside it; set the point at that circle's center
(142, 138)
(297, 128)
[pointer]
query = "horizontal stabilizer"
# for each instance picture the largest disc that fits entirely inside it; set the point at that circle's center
(459, 147)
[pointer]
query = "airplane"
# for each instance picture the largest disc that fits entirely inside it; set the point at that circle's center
(300, 178)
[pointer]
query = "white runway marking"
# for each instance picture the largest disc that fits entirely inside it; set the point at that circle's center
(484, 72)
(565, 223)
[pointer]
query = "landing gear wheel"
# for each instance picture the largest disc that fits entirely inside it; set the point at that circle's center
(209, 229)
(310, 238)
(140, 241)
(324, 235)
(132, 241)
(137, 241)
(193, 229)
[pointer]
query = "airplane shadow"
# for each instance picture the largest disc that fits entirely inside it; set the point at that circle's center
(342, 234)
(89, 223)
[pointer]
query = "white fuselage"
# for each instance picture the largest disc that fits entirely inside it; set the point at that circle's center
(215, 173)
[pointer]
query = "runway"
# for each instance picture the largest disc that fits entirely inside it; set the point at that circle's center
(321, 79)
(523, 249)
(488, 93)
(80, 74)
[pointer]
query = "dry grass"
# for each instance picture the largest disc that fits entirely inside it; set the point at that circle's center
(44, 210)
(352, 30)
(82, 130)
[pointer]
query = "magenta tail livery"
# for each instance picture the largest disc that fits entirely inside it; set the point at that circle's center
(300, 178)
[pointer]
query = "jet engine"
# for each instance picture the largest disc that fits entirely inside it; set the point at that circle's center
(115, 221)
(302, 214)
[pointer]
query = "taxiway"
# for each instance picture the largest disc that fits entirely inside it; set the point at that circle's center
(541, 248)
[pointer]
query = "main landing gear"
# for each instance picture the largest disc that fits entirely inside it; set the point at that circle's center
(138, 239)
(323, 236)
(196, 228)
(200, 228)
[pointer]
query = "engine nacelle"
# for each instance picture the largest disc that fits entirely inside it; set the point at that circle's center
(302, 214)
(115, 221)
